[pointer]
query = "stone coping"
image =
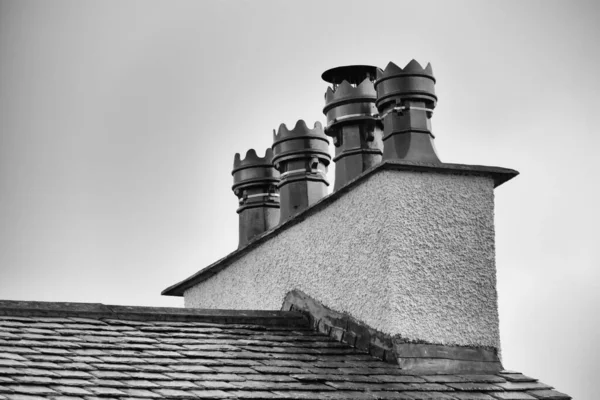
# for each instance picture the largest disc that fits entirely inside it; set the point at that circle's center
(138, 313)
(498, 174)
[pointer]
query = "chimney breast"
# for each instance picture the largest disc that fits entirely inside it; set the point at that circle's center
(255, 184)
(405, 100)
(301, 156)
(352, 120)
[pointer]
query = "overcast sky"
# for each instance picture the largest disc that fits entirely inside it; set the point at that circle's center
(119, 121)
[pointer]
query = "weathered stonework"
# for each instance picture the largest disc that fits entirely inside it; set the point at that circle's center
(410, 254)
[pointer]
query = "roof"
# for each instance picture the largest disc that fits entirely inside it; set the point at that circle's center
(90, 351)
(498, 174)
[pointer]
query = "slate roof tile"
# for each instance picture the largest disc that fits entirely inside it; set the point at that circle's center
(517, 377)
(18, 396)
(471, 396)
(549, 395)
(67, 398)
(212, 394)
(141, 393)
(71, 390)
(170, 356)
(31, 389)
(217, 385)
(430, 396)
(511, 396)
(523, 386)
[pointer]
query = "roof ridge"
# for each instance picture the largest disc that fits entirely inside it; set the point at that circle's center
(142, 313)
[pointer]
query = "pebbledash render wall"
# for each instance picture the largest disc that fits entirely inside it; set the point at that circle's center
(408, 253)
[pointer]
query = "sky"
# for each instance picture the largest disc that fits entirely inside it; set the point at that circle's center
(119, 121)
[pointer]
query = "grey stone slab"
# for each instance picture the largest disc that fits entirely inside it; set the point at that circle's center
(65, 397)
(548, 395)
(72, 382)
(35, 372)
(17, 349)
(106, 391)
(176, 393)
(212, 394)
(523, 386)
(192, 368)
(115, 367)
(11, 356)
(20, 396)
(216, 385)
(73, 374)
(253, 394)
(47, 358)
(390, 395)
(511, 396)
(152, 368)
(176, 384)
(279, 370)
(474, 386)
(399, 378)
(110, 374)
(471, 396)
(148, 375)
(270, 378)
(430, 395)
(302, 395)
(219, 377)
(72, 390)
(143, 393)
(32, 380)
(517, 377)
(108, 383)
(9, 370)
(38, 390)
(8, 362)
(77, 366)
(43, 365)
(486, 378)
(84, 359)
(234, 370)
(264, 385)
(443, 378)
(141, 384)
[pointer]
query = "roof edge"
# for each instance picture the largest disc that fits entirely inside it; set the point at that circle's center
(13, 308)
(498, 174)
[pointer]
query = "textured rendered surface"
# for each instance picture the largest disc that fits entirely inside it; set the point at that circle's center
(408, 253)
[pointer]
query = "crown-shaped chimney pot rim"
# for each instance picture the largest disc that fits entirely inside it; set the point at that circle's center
(300, 129)
(413, 68)
(252, 160)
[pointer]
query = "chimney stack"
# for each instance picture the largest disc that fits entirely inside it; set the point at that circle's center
(405, 100)
(301, 156)
(255, 184)
(352, 120)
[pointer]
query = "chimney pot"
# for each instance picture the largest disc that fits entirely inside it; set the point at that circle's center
(255, 184)
(301, 156)
(405, 100)
(352, 120)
